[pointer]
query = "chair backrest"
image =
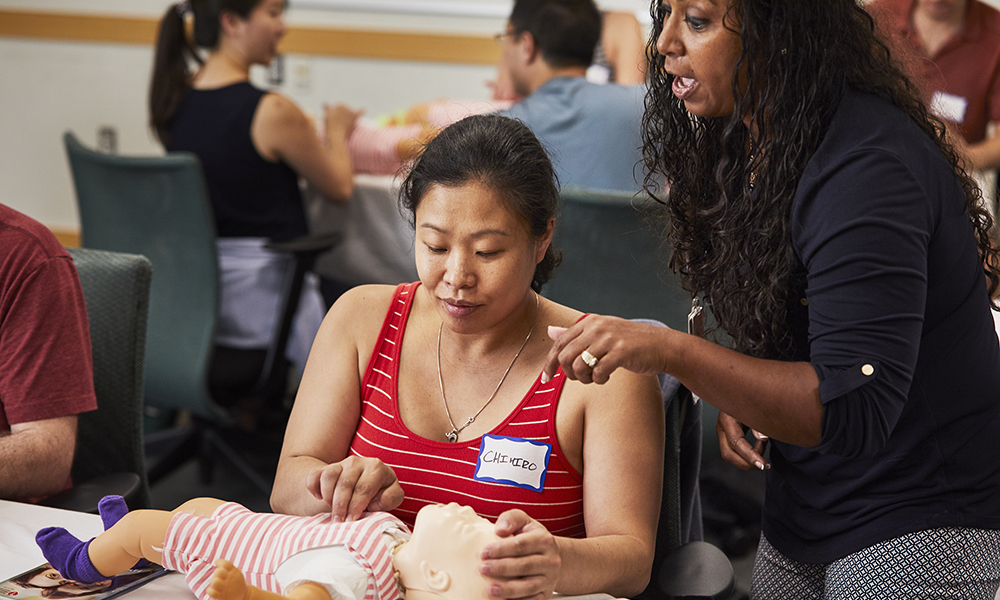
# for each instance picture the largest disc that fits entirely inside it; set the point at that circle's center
(680, 502)
(158, 206)
(669, 533)
(110, 439)
(613, 261)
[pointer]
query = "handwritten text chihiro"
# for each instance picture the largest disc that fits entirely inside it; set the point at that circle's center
(513, 461)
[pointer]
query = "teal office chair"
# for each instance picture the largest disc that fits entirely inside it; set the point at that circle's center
(158, 206)
(613, 262)
(109, 451)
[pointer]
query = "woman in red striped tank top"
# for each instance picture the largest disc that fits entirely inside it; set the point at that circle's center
(431, 392)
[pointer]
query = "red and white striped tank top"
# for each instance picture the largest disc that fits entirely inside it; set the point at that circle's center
(432, 472)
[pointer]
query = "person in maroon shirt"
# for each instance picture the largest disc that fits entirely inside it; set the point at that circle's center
(955, 57)
(46, 372)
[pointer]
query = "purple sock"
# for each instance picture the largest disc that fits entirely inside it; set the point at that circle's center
(112, 509)
(68, 555)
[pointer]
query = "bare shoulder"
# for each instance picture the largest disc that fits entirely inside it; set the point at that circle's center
(278, 125)
(362, 308)
(276, 108)
(351, 326)
(559, 315)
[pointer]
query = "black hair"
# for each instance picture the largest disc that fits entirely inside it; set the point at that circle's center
(175, 52)
(798, 56)
(565, 31)
(505, 156)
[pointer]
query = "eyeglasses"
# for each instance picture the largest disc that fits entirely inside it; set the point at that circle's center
(498, 38)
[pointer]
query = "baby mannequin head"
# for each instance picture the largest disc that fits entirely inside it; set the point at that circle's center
(441, 560)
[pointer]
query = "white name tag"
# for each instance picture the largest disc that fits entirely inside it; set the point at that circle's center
(949, 107)
(513, 461)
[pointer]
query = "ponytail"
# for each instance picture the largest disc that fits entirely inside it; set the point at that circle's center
(175, 52)
(171, 74)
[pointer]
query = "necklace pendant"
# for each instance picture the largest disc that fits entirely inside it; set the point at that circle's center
(452, 435)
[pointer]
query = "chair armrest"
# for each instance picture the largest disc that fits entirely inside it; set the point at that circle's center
(83, 497)
(696, 570)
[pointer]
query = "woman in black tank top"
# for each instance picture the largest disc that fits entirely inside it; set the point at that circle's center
(253, 144)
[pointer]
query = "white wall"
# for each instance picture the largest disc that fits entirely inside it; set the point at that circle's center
(49, 87)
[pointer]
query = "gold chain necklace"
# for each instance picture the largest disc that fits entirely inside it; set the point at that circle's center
(452, 436)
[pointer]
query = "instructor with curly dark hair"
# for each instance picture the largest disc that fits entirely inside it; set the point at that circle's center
(819, 211)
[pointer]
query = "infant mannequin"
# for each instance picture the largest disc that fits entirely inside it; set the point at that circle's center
(441, 559)
(230, 553)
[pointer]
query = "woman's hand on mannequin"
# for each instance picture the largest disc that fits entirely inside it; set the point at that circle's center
(355, 485)
(616, 343)
(525, 562)
(736, 449)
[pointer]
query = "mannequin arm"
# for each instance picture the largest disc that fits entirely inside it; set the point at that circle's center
(228, 583)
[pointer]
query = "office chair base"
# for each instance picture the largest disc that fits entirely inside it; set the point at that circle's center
(696, 570)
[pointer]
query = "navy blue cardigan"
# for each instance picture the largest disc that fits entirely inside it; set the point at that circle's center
(895, 320)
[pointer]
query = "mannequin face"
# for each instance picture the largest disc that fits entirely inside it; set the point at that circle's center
(441, 560)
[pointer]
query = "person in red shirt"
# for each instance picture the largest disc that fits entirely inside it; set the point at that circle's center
(954, 48)
(432, 392)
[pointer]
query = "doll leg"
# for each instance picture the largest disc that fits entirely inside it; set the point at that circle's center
(228, 583)
(69, 554)
(200, 507)
(111, 509)
(136, 535)
(139, 534)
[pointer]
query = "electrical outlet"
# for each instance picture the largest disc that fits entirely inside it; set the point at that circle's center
(302, 76)
(107, 139)
(276, 71)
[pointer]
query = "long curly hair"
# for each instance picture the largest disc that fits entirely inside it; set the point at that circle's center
(797, 57)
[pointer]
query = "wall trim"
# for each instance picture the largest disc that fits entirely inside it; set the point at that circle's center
(70, 238)
(326, 41)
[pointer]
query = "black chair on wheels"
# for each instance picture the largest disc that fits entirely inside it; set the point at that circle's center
(684, 566)
(109, 455)
(158, 206)
(613, 263)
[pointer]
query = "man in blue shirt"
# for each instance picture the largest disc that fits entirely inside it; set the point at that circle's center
(591, 131)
